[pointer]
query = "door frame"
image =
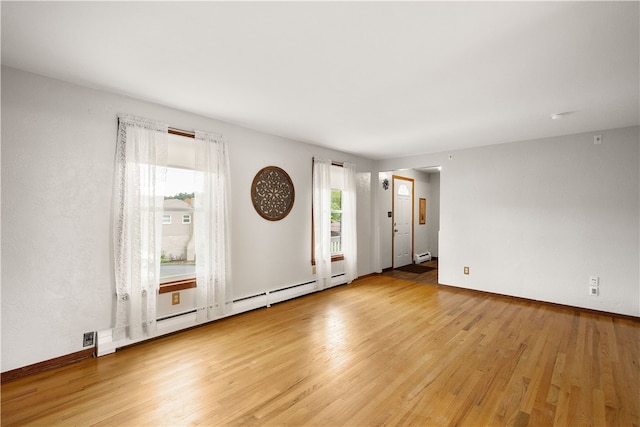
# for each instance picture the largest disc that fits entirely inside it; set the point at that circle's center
(393, 215)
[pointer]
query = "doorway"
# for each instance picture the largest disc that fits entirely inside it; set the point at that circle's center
(402, 209)
(426, 229)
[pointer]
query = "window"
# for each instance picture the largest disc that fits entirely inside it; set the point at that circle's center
(148, 162)
(333, 235)
(197, 189)
(177, 261)
(337, 185)
(333, 231)
(166, 219)
(336, 229)
(336, 222)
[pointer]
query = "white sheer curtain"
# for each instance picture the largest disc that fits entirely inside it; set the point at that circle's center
(141, 158)
(211, 224)
(322, 221)
(349, 231)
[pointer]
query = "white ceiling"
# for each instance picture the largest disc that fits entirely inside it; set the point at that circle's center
(378, 79)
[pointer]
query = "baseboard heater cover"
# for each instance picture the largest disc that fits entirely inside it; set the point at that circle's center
(171, 316)
(423, 257)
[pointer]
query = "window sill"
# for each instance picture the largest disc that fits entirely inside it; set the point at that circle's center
(178, 285)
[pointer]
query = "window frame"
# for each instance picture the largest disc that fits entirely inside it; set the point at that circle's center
(188, 217)
(164, 216)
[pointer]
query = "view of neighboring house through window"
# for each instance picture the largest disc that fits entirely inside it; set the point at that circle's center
(177, 260)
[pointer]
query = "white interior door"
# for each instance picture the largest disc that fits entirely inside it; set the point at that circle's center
(402, 221)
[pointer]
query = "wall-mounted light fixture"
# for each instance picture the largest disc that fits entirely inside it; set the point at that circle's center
(385, 184)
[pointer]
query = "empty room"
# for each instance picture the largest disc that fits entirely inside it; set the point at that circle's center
(320, 213)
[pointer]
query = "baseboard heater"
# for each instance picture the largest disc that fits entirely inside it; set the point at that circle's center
(423, 257)
(265, 299)
(184, 320)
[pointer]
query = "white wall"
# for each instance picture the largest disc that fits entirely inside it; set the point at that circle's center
(58, 148)
(385, 222)
(536, 219)
(433, 213)
(420, 231)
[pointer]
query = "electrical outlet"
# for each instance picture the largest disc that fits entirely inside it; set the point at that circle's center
(466, 270)
(593, 291)
(88, 339)
(175, 298)
(594, 281)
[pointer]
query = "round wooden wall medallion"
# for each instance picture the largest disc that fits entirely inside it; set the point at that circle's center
(272, 193)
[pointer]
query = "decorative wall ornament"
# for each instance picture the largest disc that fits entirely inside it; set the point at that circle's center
(272, 193)
(385, 184)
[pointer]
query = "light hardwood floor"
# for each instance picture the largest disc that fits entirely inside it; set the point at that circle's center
(381, 351)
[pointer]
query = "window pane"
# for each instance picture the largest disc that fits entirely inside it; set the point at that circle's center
(178, 244)
(336, 201)
(336, 233)
(336, 222)
(403, 190)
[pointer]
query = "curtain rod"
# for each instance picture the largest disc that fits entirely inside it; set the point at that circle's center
(180, 132)
(333, 163)
(173, 131)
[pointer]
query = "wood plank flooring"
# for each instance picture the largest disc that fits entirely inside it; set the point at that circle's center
(381, 351)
